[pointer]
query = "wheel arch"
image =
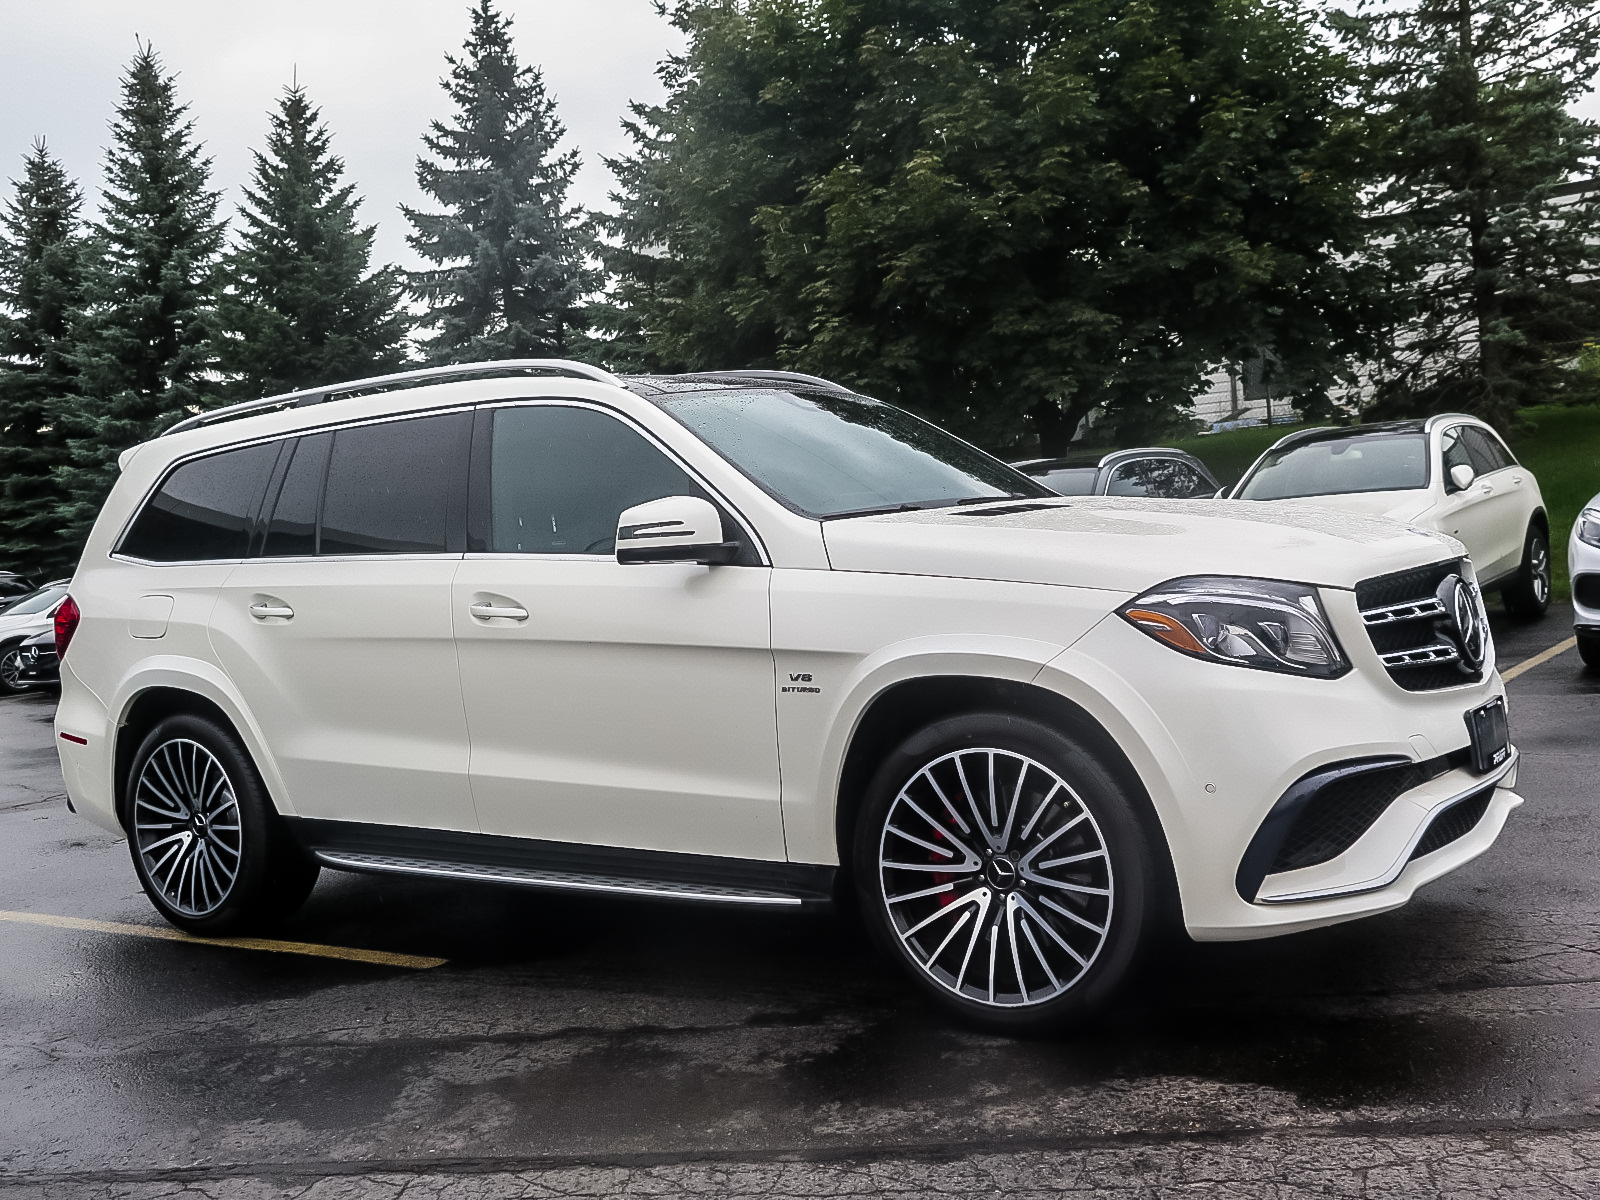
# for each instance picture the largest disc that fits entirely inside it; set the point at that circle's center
(905, 706)
(1541, 519)
(162, 689)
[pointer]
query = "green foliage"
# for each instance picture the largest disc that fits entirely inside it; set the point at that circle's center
(1470, 142)
(143, 334)
(42, 264)
(511, 252)
(1001, 215)
(1561, 446)
(303, 306)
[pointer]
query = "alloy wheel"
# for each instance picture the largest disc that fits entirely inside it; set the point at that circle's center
(186, 827)
(1541, 571)
(996, 877)
(11, 670)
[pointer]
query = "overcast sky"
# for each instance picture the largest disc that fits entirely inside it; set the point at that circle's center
(373, 66)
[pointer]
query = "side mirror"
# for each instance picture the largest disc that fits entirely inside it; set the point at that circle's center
(1462, 476)
(673, 529)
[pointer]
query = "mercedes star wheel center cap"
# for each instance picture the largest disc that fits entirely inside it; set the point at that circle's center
(1002, 873)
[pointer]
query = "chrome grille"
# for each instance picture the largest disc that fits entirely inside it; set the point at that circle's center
(1410, 629)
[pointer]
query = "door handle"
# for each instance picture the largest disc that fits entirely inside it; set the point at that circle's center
(262, 611)
(487, 612)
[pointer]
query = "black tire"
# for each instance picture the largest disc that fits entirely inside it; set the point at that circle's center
(209, 849)
(1589, 650)
(1029, 983)
(10, 662)
(1528, 595)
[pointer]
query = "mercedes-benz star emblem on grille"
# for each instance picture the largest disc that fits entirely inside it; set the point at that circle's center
(1464, 621)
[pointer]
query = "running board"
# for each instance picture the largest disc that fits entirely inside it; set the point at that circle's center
(560, 881)
(563, 867)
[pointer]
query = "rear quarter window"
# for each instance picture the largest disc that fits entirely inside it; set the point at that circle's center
(204, 509)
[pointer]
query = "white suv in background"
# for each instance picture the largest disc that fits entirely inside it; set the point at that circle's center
(1450, 473)
(749, 638)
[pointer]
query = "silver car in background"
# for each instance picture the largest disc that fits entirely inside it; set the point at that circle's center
(20, 621)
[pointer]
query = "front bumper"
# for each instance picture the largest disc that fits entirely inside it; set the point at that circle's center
(1217, 746)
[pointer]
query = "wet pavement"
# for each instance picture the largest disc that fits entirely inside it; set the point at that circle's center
(605, 1047)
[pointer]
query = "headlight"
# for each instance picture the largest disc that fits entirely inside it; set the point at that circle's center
(1589, 526)
(1259, 623)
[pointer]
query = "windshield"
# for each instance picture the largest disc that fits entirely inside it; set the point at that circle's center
(37, 602)
(827, 454)
(1377, 462)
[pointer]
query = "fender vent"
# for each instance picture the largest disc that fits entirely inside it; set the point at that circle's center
(1454, 823)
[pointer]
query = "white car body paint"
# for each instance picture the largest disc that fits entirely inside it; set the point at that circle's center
(710, 709)
(1490, 517)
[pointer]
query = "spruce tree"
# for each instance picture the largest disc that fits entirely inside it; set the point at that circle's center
(303, 307)
(42, 261)
(1467, 104)
(510, 251)
(145, 330)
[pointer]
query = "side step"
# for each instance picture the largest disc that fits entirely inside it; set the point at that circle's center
(560, 866)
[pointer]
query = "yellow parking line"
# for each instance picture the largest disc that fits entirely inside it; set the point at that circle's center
(1538, 660)
(380, 957)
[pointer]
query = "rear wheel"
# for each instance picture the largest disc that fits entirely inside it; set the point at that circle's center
(1589, 649)
(1528, 595)
(1002, 865)
(209, 850)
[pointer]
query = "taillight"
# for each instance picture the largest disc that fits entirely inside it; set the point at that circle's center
(66, 625)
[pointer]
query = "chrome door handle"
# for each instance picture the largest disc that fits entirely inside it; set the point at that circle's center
(488, 612)
(263, 611)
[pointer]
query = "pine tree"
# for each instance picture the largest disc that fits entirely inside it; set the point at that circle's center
(1467, 103)
(511, 252)
(42, 261)
(304, 308)
(144, 332)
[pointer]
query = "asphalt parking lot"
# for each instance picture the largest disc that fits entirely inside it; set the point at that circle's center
(608, 1048)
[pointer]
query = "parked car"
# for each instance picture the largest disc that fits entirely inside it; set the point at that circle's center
(12, 588)
(38, 665)
(1583, 566)
(30, 615)
(1148, 471)
(1451, 474)
(748, 638)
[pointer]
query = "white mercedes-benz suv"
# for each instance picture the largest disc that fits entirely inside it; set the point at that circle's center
(751, 638)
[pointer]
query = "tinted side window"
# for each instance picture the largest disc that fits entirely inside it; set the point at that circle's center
(292, 532)
(1455, 455)
(1487, 452)
(205, 509)
(1071, 481)
(1168, 478)
(560, 477)
(391, 486)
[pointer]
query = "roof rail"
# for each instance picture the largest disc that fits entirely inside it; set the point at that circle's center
(774, 376)
(379, 383)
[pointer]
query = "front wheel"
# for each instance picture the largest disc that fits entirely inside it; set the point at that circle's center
(1589, 650)
(11, 670)
(1002, 864)
(1528, 595)
(209, 850)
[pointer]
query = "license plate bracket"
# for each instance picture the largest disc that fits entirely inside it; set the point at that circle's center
(1490, 732)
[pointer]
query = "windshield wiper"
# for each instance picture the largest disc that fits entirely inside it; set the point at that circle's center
(920, 505)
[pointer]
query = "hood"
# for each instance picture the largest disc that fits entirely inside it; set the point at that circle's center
(1129, 545)
(1405, 505)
